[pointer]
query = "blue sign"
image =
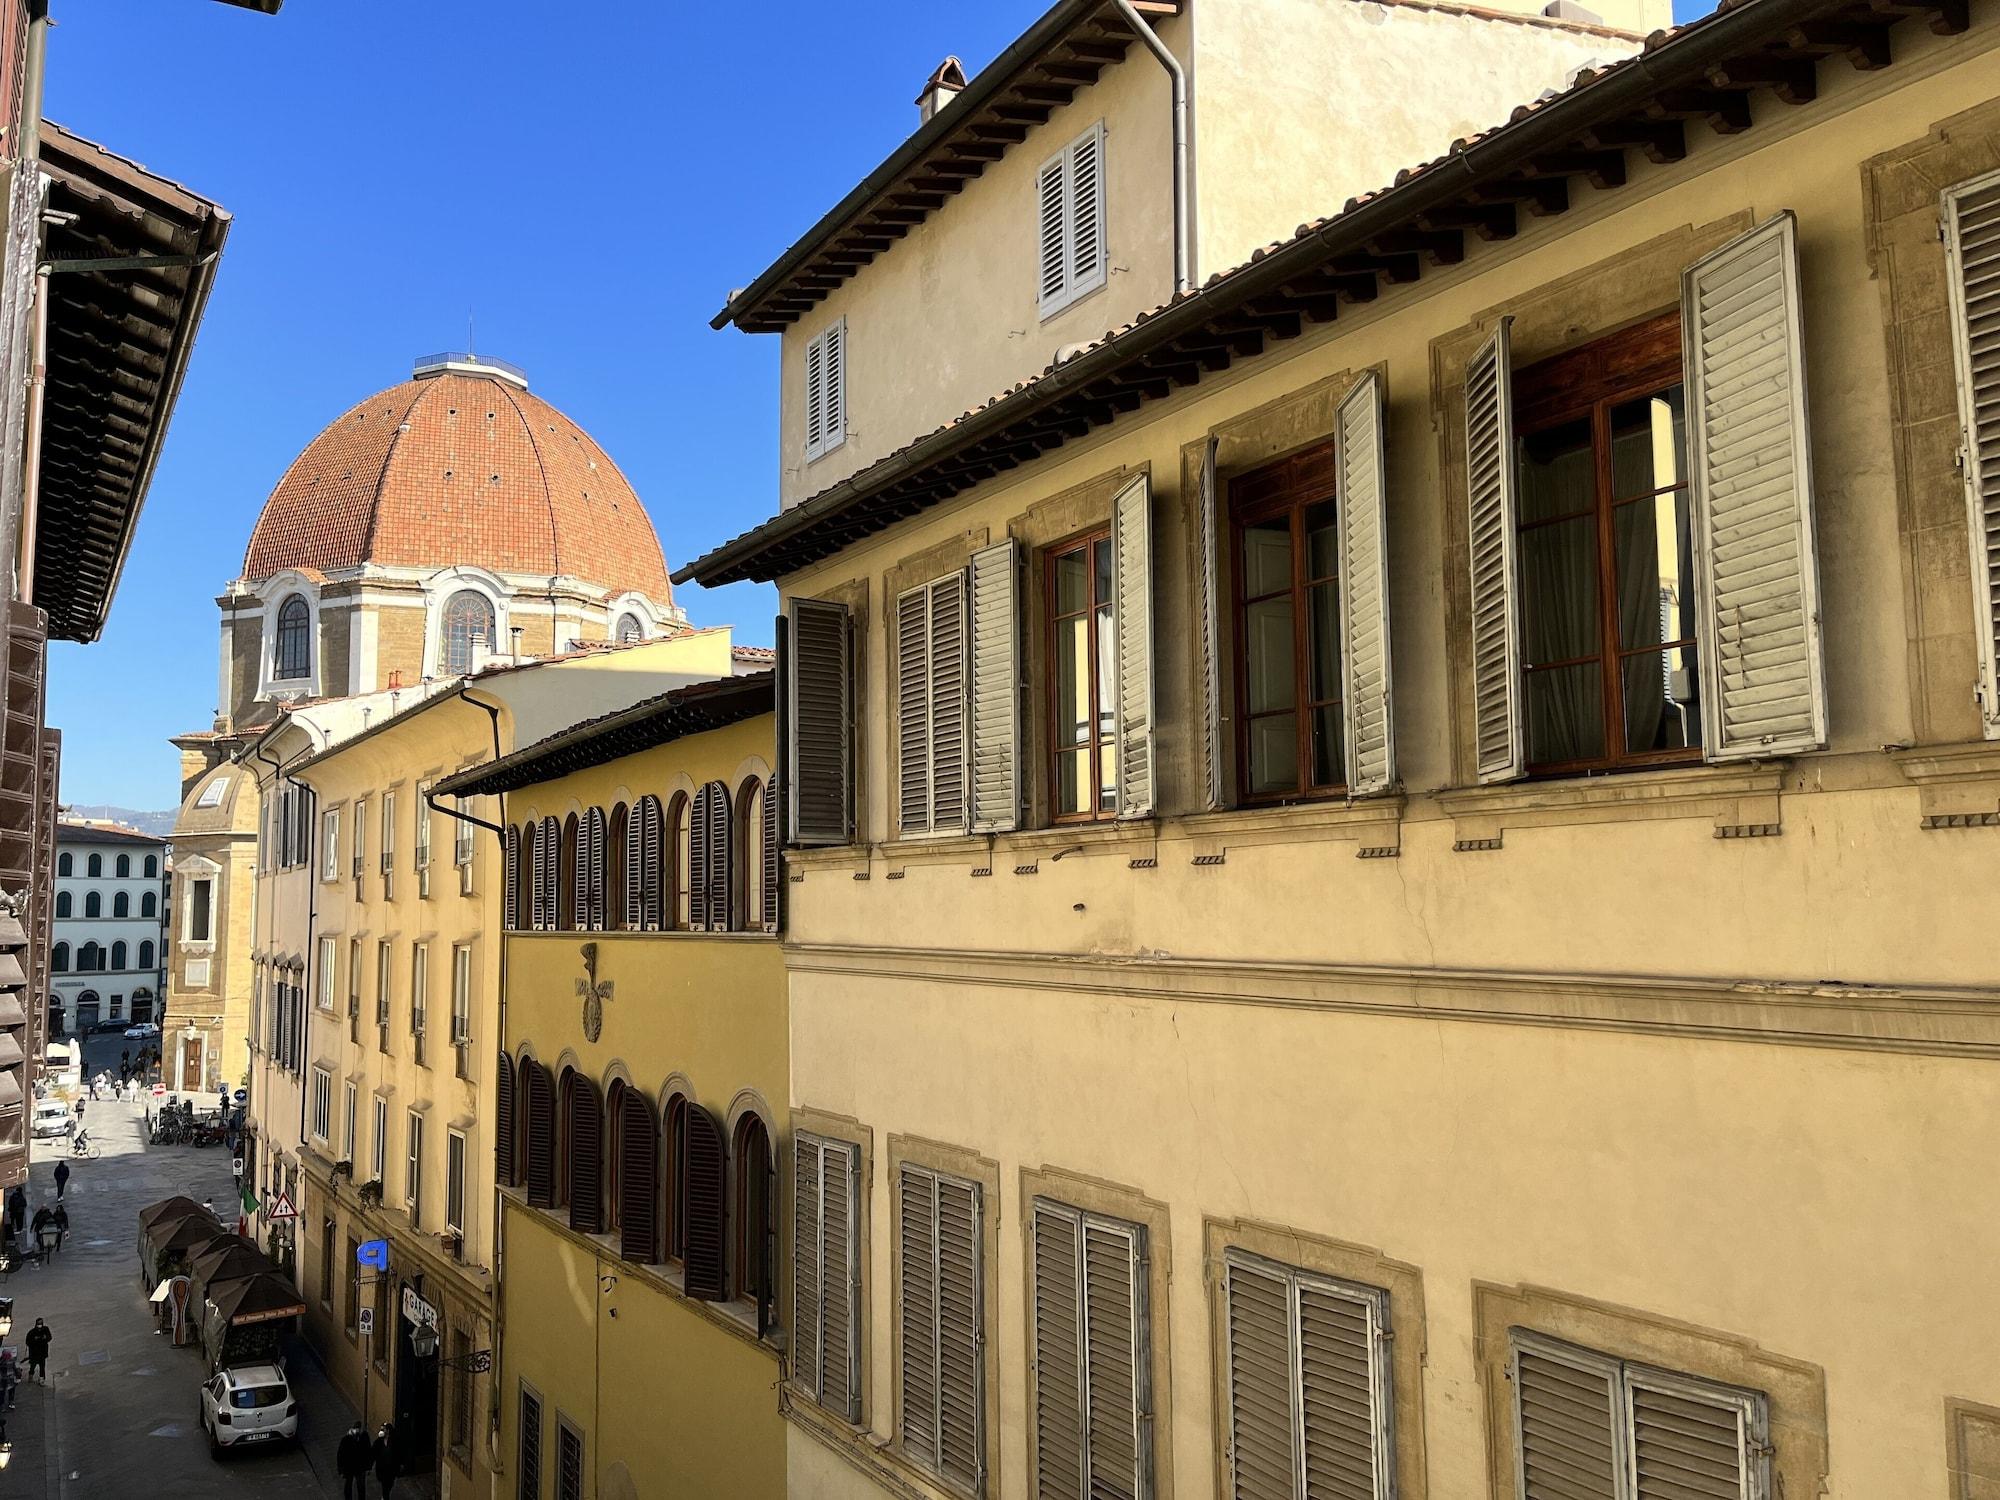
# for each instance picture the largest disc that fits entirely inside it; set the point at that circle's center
(373, 1253)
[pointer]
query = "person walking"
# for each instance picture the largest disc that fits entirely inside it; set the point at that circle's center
(61, 1220)
(352, 1460)
(385, 1459)
(62, 1180)
(38, 1341)
(10, 1379)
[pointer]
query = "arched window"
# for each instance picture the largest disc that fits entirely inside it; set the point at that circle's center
(600, 877)
(708, 860)
(635, 1166)
(293, 658)
(65, 865)
(146, 955)
(583, 1130)
(89, 959)
(753, 869)
(615, 915)
(59, 959)
(510, 899)
(753, 1188)
(121, 904)
(466, 631)
(568, 918)
(124, 867)
(149, 905)
(674, 884)
(118, 954)
(548, 857)
(93, 904)
(673, 1157)
(505, 1148)
(647, 907)
(62, 903)
(152, 867)
(96, 864)
(629, 630)
(539, 1095)
(705, 1194)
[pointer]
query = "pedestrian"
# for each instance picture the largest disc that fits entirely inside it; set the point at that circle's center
(10, 1379)
(61, 1220)
(353, 1459)
(93, 1085)
(79, 1112)
(62, 1179)
(385, 1459)
(42, 1228)
(38, 1341)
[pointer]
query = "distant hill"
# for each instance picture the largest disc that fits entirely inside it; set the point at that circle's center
(158, 824)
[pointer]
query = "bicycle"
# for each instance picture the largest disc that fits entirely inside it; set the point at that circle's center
(83, 1148)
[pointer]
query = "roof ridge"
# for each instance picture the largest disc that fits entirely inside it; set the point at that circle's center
(388, 456)
(548, 490)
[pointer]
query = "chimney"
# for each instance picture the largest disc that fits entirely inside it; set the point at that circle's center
(944, 85)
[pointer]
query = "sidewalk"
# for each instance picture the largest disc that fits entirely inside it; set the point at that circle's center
(119, 1415)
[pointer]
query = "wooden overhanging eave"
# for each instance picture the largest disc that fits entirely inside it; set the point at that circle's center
(1534, 166)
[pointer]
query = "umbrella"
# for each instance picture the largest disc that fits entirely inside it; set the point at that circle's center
(166, 1208)
(257, 1299)
(184, 1236)
(225, 1259)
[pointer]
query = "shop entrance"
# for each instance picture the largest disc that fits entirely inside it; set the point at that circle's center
(416, 1385)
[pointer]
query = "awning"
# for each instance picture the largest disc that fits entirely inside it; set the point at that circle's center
(131, 257)
(257, 1299)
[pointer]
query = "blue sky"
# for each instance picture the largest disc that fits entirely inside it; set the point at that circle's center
(586, 180)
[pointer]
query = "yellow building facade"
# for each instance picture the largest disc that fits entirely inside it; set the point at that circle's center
(645, 1033)
(1586, 1071)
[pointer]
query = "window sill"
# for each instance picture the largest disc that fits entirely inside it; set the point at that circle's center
(869, 1452)
(1741, 799)
(1958, 785)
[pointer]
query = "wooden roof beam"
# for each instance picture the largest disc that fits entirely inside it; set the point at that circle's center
(1490, 221)
(1601, 169)
(1661, 140)
(1727, 111)
(1793, 80)
(1441, 247)
(1543, 195)
(1865, 46)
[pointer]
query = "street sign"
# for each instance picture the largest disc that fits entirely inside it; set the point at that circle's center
(372, 1253)
(236, 1166)
(367, 1317)
(281, 1208)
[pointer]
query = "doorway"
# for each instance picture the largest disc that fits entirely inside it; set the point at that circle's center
(191, 1064)
(416, 1386)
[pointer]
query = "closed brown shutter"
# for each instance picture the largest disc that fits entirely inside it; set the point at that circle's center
(638, 1179)
(635, 867)
(773, 866)
(549, 887)
(696, 874)
(582, 867)
(503, 1122)
(510, 901)
(707, 1256)
(541, 1135)
(653, 831)
(817, 699)
(721, 846)
(585, 1138)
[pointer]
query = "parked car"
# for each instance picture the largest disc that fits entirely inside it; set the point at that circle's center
(248, 1404)
(142, 1031)
(52, 1117)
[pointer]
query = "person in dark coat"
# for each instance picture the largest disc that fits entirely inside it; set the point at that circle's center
(385, 1459)
(62, 1179)
(353, 1459)
(38, 1341)
(61, 1220)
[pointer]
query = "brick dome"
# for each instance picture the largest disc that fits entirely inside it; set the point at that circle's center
(460, 465)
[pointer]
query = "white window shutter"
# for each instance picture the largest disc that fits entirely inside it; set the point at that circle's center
(960, 1340)
(1052, 239)
(1208, 584)
(1568, 1418)
(1118, 1434)
(1058, 1354)
(1345, 1396)
(1366, 702)
(1085, 212)
(815, 397)
(1695, 1441)
(1763, 686)
(819, 710)
(949, 806)
(1263, 1446)
(917, 1259)
(1971, 212)
(995, 695)
(833, 411)
(913, 710)
(1132, 610)
(826, 1272)
(1490, 516)
(808, 1313)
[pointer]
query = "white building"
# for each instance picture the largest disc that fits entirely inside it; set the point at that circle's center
(107, 950)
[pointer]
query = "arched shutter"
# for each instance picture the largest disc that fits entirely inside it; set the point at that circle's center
(586, 1157)
(510, 901)
(541, 1136)
(1490, 522)
(721, 848)
(654, 880)
(550, 847)
(635, 868)
(581, 869)
(773, 866)
(707, 1259)
(638, 1179)
(503, 1122)
(699, 854)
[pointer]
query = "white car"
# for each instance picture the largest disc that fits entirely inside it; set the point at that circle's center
(248, 1404)
(144, 1031)
(52, 1117)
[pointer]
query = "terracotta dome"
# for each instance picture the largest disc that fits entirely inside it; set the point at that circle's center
(460, 465)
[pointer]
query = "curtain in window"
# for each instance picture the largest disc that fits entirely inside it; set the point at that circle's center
(1559, 605)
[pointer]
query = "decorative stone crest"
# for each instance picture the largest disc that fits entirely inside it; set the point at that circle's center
(593, 992)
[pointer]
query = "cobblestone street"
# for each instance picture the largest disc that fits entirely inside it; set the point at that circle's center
(118, 1416)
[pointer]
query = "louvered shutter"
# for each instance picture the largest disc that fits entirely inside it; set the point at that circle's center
(1052, 239)
(510, 900)
(699, 855)
(541, 1136)
(913, 730)
(580, 878)
(538, 883)
(586, 1157)
(948, 740)
(960, 1342)
(833, 418)
(1490, 517)
(599, 871)
(815, 397)
(638, 1179)
(1085, 212)
(721, 859)
(635, 867)
(1971, 212)
(550, 844)
(808, 1315)
(1751, 472)
(1344, 1396)
(1693, 1441)
(1058, 1354)
(1115, 1380)
(774, 865)
(918, 1261)
(1571, 1433)
(1263, 1450)
(503, 1122)
(653, 883)
(819, 712)
(826, 1272)
(1369, 732)
(1132, 605)
(1208, 642)
(995, 695)
(707, 1169)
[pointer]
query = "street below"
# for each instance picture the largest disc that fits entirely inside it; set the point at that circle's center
(119, 1415)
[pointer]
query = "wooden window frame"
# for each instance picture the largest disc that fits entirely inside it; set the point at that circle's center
(1087, 542)
(1585, 383)
(1289, 487)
